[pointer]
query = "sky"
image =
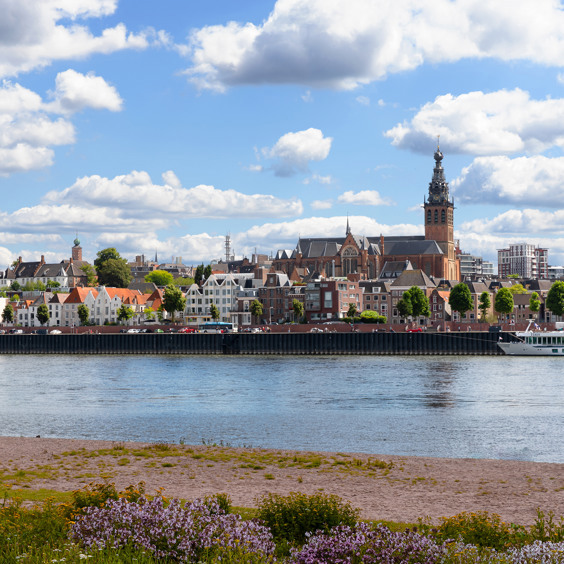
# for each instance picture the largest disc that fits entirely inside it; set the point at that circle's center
(161, 127)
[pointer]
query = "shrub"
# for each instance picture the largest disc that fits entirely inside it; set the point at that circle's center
(291, 517)
(366, 545)
(197, 532)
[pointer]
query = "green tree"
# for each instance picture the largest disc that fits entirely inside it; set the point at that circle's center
(83, 314)
(534, 303)
(105, 255)
(173, 300)
(207, 271)
(460, 299)
(351, 312)
(419, 302)
(186, 281)
(114, 273)
(404, 305)
(214, 312)
(125, 313)
(53, 284)
(555, 298)
(149, 313)
(517, 289)
(15, 286)
(43, 314)
(90, 274)
(371, 316)
(160, 312)
(485, 303)
(8, 314)
(160, 277)
(256, 309)
(503, 302)
(199, 274)
(298, 309)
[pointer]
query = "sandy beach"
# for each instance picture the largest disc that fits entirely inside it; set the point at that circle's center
(384, 487)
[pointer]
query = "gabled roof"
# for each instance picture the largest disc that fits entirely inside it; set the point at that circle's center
(78, 295)
(392, 269)
(409, 278)
(59, 298)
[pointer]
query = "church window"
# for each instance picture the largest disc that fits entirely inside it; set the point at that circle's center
(436, 216)
(443, 216)
(428, 216)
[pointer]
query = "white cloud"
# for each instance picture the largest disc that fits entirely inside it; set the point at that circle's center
(34, 34)
(319, 179)
(518, 222)
(27, 131)
(525, 180)
(307, 97)
(135, 192)
(294, 151)
(364, 198)
(75, 91)
(322, 204)
(329, 43)
(502, 122)
(363, 100)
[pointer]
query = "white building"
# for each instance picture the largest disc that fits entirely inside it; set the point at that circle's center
(527, 261)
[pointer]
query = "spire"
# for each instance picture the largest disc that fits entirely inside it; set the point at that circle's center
(438, 187)
(156, 257)
(348, 226)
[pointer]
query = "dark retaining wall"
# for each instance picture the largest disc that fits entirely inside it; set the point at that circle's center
(474, 343)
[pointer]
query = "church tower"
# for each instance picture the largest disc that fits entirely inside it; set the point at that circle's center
(439, 218)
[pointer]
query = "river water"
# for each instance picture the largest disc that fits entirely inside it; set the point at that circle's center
(467, 406)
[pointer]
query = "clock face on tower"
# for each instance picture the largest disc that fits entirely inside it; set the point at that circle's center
(436, 198)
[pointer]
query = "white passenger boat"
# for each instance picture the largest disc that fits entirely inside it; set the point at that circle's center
(535, 343)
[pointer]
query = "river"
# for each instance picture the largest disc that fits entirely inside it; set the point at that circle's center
(460, 407)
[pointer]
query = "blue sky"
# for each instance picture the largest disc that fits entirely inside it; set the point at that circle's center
(163, 126)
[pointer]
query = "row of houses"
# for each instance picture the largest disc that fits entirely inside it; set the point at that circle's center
(323, 299)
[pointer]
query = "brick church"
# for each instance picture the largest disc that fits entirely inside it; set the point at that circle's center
(434, 253)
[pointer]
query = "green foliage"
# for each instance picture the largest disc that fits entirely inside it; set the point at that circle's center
(555, 298)
(187, 281)
(125, 313)
(83, 313)
(485, 303)
(53, 284)
(419, 302)
(460, 299)
(207, 271)
(199, 274)
(370, 316)
(298, 309)
(534, 302)
(256, 309)
(114, 273)
(160, 277)
(517, 289)
(173, 300)
(149, 313)
(15, 286)
(291, 517)
(43, 314)
(34, 286)
(104, 255)
(404, 305)
(8, 314)
(90, 274)
(351, 312)
(214, 312)
(503, 302)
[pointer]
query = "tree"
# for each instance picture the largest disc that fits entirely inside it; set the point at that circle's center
(256, 309)
(43, 314)
(125, 313)
(8, 314)
(90, 274)
(419, 302)
(114, 273)
(105, 255)
(149, 313)
(460, 299)
(214, 312)
(53, 284)
(298, 308)
(173, 300)
(199, 274)
(160, 277)
(404, 305)
(485, 303)
(503, 302)
(15, 286)
(83, 314)
(186, 281)
(351, 312)
(534, 302)
(517, 289)
(371, 316)
(207, 272)
(555, 298)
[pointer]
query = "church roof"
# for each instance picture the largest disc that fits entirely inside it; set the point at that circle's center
(411, 247)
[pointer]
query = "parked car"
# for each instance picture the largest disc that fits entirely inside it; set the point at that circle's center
(55, 332)
(133, 330)
(187, 330)
(16, 331)
(415, 330)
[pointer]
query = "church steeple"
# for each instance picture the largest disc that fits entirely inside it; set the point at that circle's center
(348, 226)
(438, 187)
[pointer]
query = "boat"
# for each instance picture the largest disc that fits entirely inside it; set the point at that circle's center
(534, 342)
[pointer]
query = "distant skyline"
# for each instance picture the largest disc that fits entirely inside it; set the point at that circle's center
(164, 126)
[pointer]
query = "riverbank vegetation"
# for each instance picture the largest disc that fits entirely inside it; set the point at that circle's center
(102, 525)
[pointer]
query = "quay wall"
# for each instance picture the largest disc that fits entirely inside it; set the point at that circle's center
(466, 343)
